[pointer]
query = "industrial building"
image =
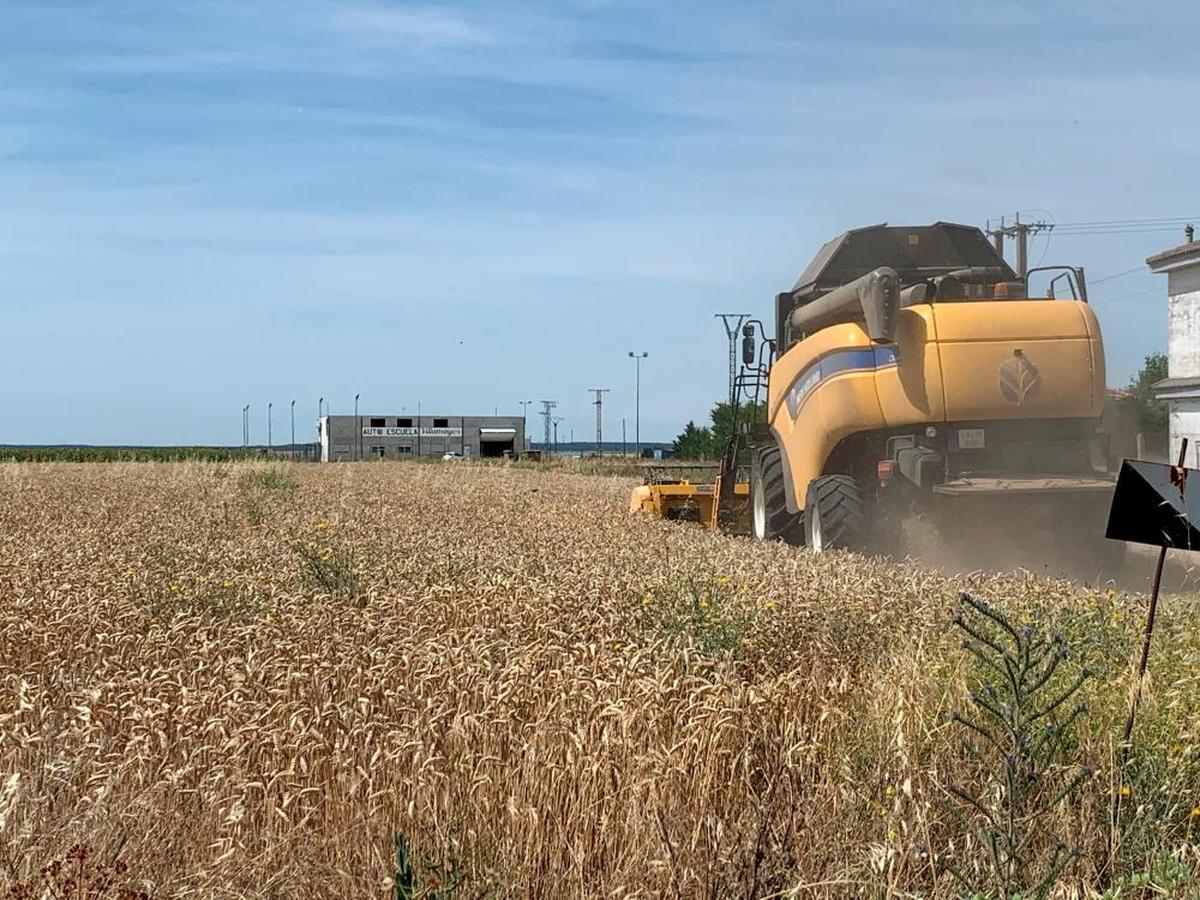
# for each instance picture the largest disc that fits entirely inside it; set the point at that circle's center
(350, 438)
(1181, 389)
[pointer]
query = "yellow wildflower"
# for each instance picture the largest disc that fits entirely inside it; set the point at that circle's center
(1196, 812)
(226, 583)
(1125, 791)
(320, 526)
(646, 601)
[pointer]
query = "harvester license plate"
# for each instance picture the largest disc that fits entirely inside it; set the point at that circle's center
(971, 439)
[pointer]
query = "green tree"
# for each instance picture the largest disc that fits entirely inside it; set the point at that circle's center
(722, 416)
(1141, 405)
(708, 442)
(694, 443)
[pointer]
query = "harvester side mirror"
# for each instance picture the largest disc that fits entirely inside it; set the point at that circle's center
(748, 349)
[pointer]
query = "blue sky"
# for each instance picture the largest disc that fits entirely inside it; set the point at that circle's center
(213, 203)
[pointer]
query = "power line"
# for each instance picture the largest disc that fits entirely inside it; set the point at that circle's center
(1095, 281)
(1107, 300)
(1161, 220)
(1135, 230)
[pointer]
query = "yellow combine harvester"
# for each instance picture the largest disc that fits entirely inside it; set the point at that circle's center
(910, 372)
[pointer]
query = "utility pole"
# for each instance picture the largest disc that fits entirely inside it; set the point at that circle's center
(732, 331)
(599, 392)
(637, 400)
(547, 414)
(524, 418)
(1020, 231)
(270, 406)
(623, 437)
(293, 453)
(556, 420)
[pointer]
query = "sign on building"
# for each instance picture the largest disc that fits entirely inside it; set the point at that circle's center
(411, 432)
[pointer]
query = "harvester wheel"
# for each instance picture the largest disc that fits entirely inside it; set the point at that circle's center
(833, 514)
(769, 516)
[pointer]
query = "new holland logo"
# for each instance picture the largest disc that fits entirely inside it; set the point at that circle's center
(1019, 378)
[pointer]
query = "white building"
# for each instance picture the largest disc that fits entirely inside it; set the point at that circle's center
(1181, 389)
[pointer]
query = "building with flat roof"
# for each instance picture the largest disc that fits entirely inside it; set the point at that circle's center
(1181, 388)
(351, 438)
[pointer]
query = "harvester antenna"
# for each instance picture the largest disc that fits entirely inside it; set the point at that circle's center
(732, 332)
(599, 392)
(547, 413)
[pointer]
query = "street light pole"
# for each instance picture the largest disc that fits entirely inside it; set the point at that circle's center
(358, 425)
(637, 419)
(269, 406)
(524, 414)
(247, 424)
(293, 429)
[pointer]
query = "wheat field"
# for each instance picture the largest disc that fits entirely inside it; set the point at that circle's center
(224, 680)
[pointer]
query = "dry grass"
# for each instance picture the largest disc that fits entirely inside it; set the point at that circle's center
(546, 696)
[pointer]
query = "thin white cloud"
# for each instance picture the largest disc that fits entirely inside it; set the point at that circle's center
(421, 27)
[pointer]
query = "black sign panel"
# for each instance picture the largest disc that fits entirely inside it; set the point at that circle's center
(1157, 504)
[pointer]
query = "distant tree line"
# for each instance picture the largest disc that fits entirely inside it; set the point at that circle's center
(127, 454)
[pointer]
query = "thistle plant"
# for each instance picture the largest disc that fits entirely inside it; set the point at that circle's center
(1023, 716)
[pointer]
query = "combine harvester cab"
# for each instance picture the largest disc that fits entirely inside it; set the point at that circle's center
(913, 374)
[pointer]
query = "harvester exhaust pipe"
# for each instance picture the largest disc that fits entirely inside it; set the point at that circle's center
(876, 294)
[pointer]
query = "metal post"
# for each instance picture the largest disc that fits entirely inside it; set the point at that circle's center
(418, 429)
(293, 454)
(600, 392)
(1022, 247)
(524, 427)
(247, 424)
(1143, 665)
(358, 425)
(269, 406)
(732, 333)
(623, 448)
(547, 415)
(637, 402)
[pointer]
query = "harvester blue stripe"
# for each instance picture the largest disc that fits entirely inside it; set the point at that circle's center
(858, 359)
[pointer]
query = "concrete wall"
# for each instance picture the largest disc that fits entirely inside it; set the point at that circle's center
(347, 438)
(1185, 423)
(1183, 323)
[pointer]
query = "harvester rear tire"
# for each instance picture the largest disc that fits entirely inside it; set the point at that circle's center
(833, 514)
(769, 516)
